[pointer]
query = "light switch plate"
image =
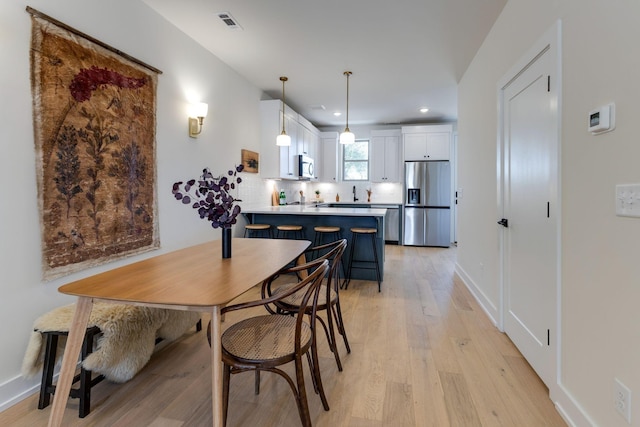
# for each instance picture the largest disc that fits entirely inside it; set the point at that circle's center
(628, 200)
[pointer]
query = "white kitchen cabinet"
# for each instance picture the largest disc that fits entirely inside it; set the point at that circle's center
(385, 156)
(288, 163)
(307, 138)
(427, 142)
(329, 157)
(275, 161)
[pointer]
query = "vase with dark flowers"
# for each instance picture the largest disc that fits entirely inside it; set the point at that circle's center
(212, 198)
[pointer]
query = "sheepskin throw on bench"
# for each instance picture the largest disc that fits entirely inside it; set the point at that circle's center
(127, 342)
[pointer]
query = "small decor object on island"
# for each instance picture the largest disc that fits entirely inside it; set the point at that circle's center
(369, 195)
(317, 194)
(213, 201)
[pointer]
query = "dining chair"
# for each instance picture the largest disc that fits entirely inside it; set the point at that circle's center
(328, 300)
(264, 343)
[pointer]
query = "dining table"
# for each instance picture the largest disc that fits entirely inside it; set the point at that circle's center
(195, 278)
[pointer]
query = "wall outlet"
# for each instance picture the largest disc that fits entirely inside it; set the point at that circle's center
(622, 399)
(628, 200)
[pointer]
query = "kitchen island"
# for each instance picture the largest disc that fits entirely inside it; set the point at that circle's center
(309, 216)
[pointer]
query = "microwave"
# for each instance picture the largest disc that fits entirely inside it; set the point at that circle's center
(305, 167)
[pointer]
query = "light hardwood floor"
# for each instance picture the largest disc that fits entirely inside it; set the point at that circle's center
(423, 354)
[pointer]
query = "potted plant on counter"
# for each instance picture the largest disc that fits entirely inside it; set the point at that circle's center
(211, 196)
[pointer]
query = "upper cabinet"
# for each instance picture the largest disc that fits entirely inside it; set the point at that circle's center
(385, 155)
(281, 162)
(427, 142)
(308, 137)
(328, 157)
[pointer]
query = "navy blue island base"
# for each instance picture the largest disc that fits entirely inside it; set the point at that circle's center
(345, 218)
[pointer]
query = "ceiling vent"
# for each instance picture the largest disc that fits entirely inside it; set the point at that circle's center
(318, 107)
(229, 21)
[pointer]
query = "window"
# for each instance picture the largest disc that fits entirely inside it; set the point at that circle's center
(355, 161)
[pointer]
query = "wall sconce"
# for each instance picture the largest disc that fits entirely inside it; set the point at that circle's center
(196, 117)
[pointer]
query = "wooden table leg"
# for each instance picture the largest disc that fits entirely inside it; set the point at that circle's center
(216, 366)
(70, 359)
(302, 259)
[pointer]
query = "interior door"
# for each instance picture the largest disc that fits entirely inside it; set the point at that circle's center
(530, 204)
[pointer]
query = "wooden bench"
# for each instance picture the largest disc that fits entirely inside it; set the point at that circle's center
(50, 340)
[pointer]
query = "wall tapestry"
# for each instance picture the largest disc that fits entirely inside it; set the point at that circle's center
(94, 124)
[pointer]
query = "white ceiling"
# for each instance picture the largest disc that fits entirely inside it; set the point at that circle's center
(404, 54)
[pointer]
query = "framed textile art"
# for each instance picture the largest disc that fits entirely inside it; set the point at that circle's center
(250, 160)
(94, 125)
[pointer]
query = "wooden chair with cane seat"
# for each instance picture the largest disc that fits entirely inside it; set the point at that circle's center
(264, 343)
(329, 299)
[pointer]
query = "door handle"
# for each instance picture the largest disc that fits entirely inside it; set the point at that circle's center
(504, 222)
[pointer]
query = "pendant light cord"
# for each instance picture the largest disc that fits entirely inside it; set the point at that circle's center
(283, 79)
(347, 73)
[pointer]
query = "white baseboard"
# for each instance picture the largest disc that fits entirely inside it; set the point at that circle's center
(485, 303)
(17, 389)
(572, 413)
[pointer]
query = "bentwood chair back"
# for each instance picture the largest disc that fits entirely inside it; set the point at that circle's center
(264, 343)
(329, 299)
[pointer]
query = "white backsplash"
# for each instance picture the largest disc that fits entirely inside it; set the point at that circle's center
(256, 192)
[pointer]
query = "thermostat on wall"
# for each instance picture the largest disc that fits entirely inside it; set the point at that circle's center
(603, 119)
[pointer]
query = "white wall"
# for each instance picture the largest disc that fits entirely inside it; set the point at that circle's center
(188, 71)
(600, 268)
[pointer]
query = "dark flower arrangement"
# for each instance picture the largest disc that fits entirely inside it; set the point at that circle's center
(211, 196)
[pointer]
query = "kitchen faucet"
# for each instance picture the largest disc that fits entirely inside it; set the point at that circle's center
(354, 194)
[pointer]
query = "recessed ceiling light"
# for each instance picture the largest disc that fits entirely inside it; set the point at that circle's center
(337, 114)
(424, 110)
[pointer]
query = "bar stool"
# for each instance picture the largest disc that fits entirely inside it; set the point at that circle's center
(355, 233)
(334, 233)
(283, 230)
(254, 229)
(325, 230)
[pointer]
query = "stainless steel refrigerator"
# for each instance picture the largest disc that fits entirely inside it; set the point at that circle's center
(427, 203)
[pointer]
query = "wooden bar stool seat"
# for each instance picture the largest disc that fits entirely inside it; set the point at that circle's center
(325, 234)
(325, 230)
(287, 229)
(365, 264)
(252, 230)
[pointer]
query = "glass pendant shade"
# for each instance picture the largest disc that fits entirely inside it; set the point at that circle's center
(347, 137)
(283, 140)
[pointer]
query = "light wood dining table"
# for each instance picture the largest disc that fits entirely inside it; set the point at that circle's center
(196, 278)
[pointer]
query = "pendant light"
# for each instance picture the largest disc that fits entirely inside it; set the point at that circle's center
(283, 139)
(347, 137)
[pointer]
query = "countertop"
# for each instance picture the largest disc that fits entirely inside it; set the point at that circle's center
(359, 202)
(313, 210)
